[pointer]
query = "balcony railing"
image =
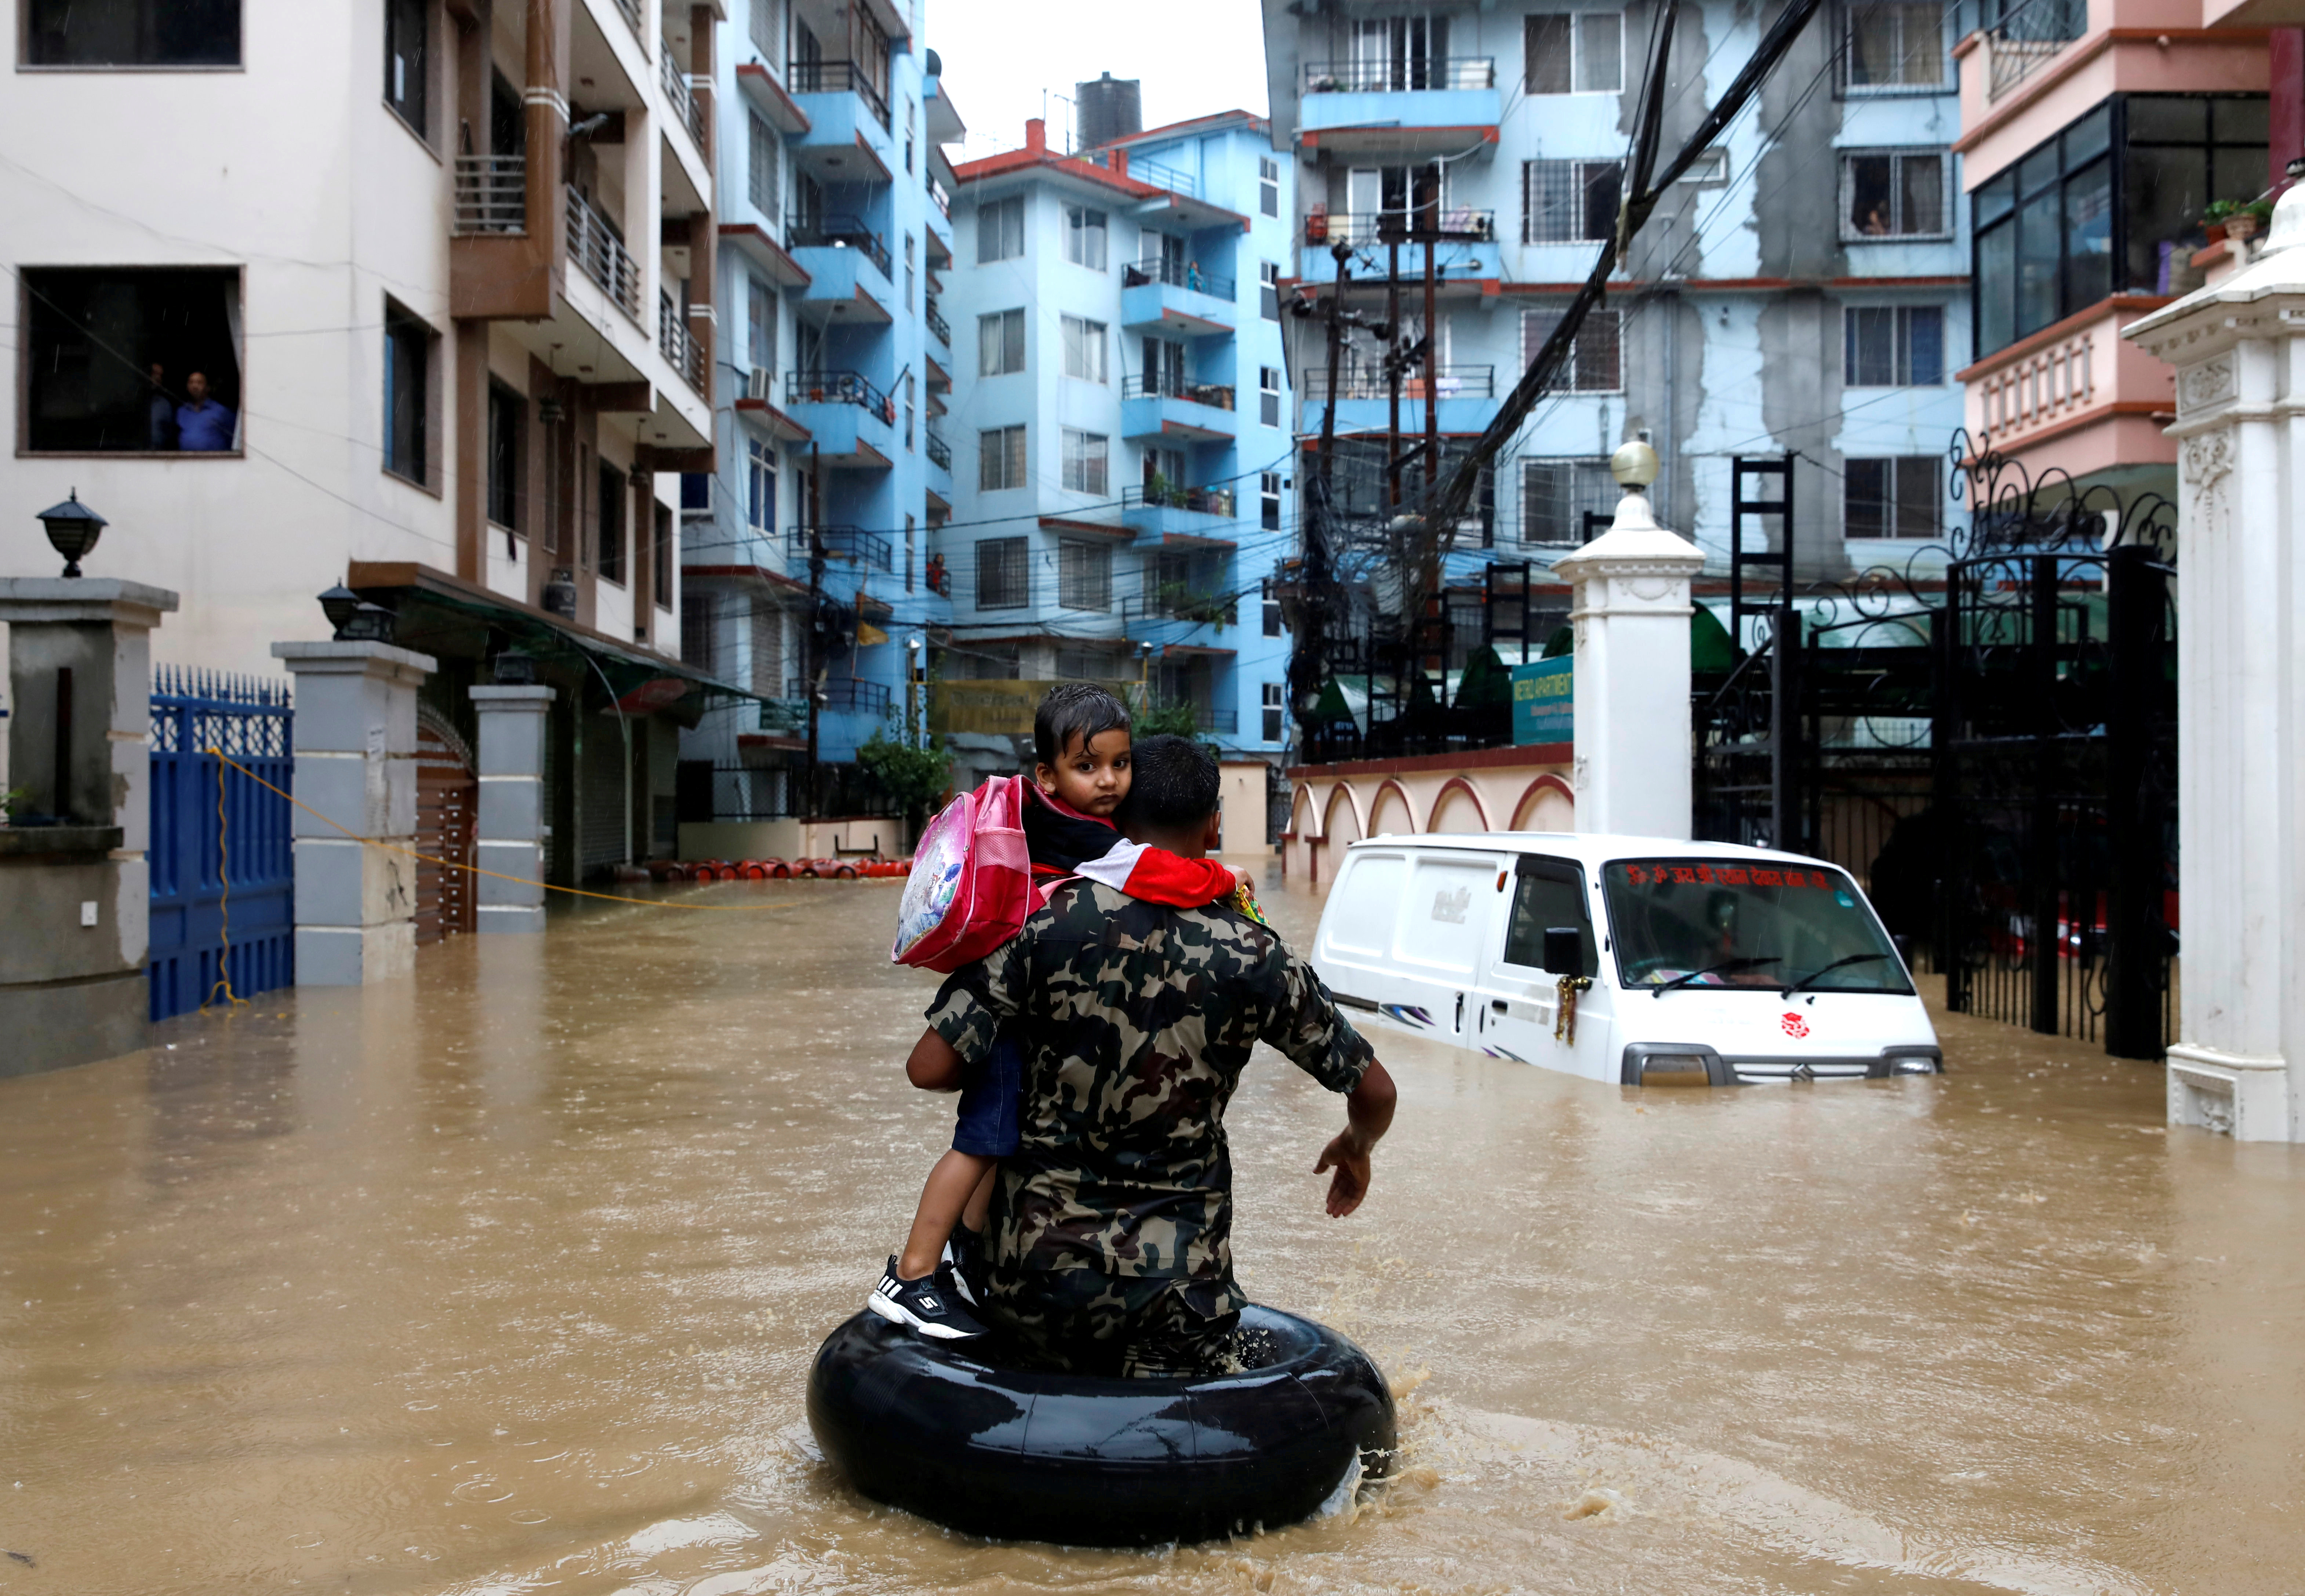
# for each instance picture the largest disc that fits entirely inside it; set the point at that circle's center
(2021, 35)
(937, 324)
(1403, 76)
(632, 14)
(941, 199)
(1214, 394)
(863, 697)
(838, 388)
(682, 99)
(849, 543)
(679, 344)
(491, 193)
(1454, 223)
(837, 233)
(1177, 275)
(836, 77)
(939, 451)
(1201, 501)
(600, 254)
(1451, 382)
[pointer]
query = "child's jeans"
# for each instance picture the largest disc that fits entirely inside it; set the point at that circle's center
(987, 1112)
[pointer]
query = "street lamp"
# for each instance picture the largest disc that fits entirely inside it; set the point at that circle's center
(353, 619)
(1635, 466)
(73, 530)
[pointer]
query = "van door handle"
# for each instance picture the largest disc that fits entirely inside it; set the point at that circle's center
(1461, 1010)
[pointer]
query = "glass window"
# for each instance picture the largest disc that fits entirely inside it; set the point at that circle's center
(407, 394)
(760, 335)
(1893, 194)
(1001, 343)
(176, 329)
(1745, 927)
(1895, 498)
(1268, 185)
(1892, 345)
(1595, 364)
(612, 486)
(767, 25)
(1000, 230)
(1549, 895)
(1085, 575)
(1574, 52)
(1084, 236)
(1085, 455)
(1273, 706)
(407, 59)
(132, 33)
(506, 461)
(1557, 495)
(760, 498)
(1085, 345)
(1268, 391)
(1002, 574)
(999, 459)
(1268, 290)
(1268, 495)
(1569, 202)
(761, 167)
(1889, 46)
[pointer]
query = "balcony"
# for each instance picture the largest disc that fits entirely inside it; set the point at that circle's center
(867, 551)
(838, 232)
(940, 453)
(678, 96)
(630, 10)
(851, 422)
(847, 696)
(1466, 394)
(2018, 39)
(847, 138)
(1162, 510)
(491, 194)
(1404, 106)
(2075, 395)
(937, 324)
(679, 344)
(1461, 239)
(596, 251)
(1179, 297)
(1176, 409)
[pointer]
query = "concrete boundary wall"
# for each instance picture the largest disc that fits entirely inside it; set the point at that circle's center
(1497, 789)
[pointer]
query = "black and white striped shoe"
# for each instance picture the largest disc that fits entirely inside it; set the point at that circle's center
(929, 1304)
(964, 1258)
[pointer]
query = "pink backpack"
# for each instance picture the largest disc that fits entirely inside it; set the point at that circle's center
(971, 885)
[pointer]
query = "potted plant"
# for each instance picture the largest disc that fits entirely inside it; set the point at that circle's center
(13, 799)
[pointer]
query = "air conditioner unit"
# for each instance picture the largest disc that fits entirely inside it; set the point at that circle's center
(762, 380)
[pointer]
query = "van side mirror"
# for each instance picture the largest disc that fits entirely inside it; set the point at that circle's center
(1564, 950)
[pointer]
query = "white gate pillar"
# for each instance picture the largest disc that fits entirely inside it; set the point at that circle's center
(2238, 348)
(1630, 608)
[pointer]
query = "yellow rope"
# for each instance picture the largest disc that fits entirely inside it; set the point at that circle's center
(498, 875)
(223, 905)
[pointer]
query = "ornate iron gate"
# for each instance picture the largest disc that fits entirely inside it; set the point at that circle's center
(223, 878)
(1986, 737)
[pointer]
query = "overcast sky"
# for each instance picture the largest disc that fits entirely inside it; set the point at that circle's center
(1193, 57)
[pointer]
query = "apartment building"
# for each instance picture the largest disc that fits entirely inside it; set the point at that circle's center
(1122, 414)
(411, 295)
(2095, 134)
(810, 556)
(1802, 293)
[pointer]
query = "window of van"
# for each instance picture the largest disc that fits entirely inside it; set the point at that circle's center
(1550, 891)
(1745, 927)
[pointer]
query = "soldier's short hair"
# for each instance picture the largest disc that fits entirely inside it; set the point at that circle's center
(1072, 709)
(1173, 782)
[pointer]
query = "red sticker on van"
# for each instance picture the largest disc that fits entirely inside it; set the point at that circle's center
(1794, 1025)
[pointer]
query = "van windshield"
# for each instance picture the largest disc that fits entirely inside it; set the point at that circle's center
(1703, 922)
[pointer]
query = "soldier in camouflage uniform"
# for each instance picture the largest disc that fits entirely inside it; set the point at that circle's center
(1109, 1247)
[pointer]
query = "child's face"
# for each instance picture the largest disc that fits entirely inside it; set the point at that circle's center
(1092, 776)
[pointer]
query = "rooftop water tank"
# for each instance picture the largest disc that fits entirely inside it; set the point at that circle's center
(1109, 108)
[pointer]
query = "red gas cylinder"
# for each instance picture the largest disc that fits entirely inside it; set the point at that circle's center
(778, 870)
(723, 871)
(845, 871)
(752, 869)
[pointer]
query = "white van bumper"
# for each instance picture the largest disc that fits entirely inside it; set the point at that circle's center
(1690, 1064)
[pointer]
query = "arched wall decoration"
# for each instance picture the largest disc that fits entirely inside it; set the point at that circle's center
(1527, 805)
(1407, 805)
(1305, 813)
(1342, 793)
(1458, 784)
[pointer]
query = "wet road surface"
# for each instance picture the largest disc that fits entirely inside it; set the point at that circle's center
(506, 1279)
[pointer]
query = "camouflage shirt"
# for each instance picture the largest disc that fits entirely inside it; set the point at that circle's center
(1137, 1019)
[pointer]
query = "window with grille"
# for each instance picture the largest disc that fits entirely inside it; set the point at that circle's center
(696, 631)
(1896, 497)
(768, 649)
(1084, 349)
(761, 167)
(1002, 574)
(1268, 394)
(1567, 202)
(1268, 290)
(1084, 236)
(1085, 455)
(1268, 497)
(1895, 46)
(1574, 52)
(1556, 494)
(1892, 345)
(1273, 708)
(999, 459)
(1085, 575)
(1268, 185)
(1001, 344)
(1001, 231)
(761, 494)
(1596, 363)
(767, 30)
(1888, 193)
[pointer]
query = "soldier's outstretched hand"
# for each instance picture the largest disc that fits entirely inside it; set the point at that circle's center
(1351, 1160)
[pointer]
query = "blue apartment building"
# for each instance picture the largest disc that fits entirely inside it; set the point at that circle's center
(806, 557)
(1801, 293)
(1121, 422)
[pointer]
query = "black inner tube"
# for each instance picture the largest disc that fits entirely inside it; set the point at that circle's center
(943, 1429)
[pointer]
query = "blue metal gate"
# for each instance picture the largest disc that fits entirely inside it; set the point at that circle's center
(223, 874)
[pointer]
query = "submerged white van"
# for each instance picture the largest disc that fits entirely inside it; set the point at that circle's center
(1624, 958)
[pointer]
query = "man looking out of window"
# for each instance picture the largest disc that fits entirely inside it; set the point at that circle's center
(203, 426)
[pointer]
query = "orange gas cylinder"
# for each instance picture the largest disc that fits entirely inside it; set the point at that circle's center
(778, 870)
(752, 869)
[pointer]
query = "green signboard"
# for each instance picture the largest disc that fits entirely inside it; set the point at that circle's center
(1544, 701)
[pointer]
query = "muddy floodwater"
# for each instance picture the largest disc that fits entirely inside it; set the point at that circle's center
(507, 1279)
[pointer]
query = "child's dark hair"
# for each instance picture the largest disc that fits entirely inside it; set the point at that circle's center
(1072, 709)
(1173, 782)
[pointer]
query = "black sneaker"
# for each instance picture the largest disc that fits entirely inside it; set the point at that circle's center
(929, 1304)
(964, 1260)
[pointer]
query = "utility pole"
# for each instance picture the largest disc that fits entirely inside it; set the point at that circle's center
(1392, 363)
(1308, 654)
(1432, 344)
(1342, 254)
(809, 650)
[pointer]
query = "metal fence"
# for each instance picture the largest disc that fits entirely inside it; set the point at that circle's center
(491, 193)
(1403, 73)
(223, 877)
(601, 255)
